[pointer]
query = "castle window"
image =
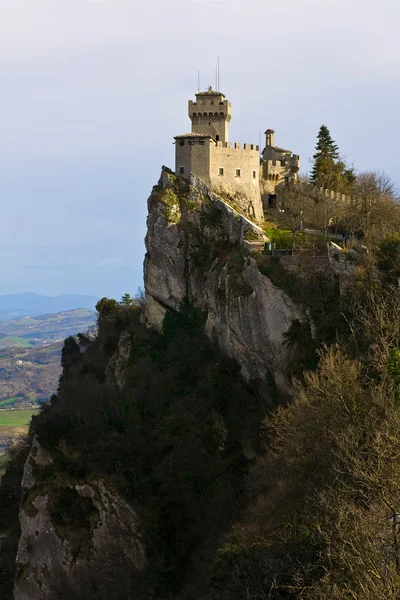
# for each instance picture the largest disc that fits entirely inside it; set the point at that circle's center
(181, 170)
(220, 171)
(191, 142)
(254, 174)
(181, 142)
(237, 172)
(201, 142)
(217, 138)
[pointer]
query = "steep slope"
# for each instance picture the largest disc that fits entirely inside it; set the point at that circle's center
(198, 251)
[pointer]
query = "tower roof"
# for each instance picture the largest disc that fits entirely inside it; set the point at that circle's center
(210, 92)
(192, 135)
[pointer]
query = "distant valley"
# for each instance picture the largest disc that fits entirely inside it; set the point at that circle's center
(30, 350)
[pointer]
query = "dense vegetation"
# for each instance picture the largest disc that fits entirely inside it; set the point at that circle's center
(177, 440)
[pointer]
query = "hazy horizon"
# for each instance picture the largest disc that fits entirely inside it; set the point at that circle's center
(94, 91)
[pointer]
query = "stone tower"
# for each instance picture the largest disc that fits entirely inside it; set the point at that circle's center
(210, 115)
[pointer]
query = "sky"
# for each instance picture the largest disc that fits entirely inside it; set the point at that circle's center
(93, 91)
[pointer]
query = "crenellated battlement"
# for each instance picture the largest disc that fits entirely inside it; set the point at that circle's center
(237, 146)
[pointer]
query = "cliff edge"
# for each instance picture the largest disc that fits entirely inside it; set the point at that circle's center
(199, 251)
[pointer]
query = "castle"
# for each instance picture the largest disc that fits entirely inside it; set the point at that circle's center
(250, 179)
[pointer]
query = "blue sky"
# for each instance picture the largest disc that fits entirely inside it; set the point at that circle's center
(92, 93)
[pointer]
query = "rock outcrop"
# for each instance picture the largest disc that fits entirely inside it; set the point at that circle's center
(77, 539)
(198, 251)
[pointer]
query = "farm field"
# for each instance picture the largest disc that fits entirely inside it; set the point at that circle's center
(11, 341)
(13, 424)
(10, 419)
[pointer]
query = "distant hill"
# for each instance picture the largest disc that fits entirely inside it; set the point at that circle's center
(13, 306)
(40, 330)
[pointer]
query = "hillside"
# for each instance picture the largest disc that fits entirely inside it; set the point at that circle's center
(44, 328)
(30, 353)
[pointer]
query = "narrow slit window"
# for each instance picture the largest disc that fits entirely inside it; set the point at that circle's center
(254, 174)
(220, 171)
(181, 170)
(237, 172)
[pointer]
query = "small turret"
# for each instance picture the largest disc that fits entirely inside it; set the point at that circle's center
(270, 137)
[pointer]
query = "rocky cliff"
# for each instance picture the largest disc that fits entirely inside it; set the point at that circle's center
(199, 250)
(77, 539)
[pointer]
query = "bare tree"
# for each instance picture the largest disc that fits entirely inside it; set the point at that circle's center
(373, 210)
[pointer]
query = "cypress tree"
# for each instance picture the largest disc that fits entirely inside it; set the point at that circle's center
(325, 158)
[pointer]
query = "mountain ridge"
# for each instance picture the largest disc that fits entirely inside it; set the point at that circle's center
(25, 304)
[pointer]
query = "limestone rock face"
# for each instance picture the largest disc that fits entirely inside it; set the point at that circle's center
(197, 251)
(94, 552)
(117, 367)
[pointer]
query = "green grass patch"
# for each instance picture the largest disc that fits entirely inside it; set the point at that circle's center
(16, 418)
(281, 237)
(11, 340)
(9, 402)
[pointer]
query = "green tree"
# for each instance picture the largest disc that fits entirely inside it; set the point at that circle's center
(326, 154)
(329, 172)
(106, 307)
(126, 300)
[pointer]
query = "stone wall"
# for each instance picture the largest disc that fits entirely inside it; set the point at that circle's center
(246, 184)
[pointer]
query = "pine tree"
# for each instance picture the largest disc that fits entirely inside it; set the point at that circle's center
(326, 158)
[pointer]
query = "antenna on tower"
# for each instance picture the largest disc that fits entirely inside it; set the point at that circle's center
(216, 78)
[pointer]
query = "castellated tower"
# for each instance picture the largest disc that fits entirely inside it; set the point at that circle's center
(206, 152)
(210, 115)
